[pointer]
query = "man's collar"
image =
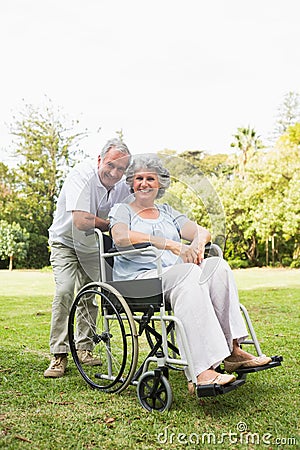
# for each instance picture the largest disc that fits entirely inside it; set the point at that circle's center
(104, 187)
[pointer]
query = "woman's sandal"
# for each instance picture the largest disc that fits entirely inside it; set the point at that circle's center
(232, 366)
(221, 378)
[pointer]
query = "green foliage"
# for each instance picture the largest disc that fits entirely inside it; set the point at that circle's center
(249, 200)
(256, 211)
(239, 264)
(197, 198)
(13, 242)
(217, 165)
(265, 209)
(120, 135)
(7, 191)
(288, 114)
(292, 136)
(295, 264)
(45, 149)
(247, 142)
(193, 162)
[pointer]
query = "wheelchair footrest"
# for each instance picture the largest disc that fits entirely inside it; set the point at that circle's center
(211, 390)
(276, 361)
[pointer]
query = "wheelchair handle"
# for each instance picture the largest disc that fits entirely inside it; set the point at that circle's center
(90, 231)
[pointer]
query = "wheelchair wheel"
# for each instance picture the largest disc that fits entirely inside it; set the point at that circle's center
(154, 392)
(101, 321)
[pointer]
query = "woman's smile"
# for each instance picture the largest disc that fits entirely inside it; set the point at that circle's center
(145, 190)
(145, 182)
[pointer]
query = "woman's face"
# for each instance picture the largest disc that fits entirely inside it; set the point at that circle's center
(145, 184)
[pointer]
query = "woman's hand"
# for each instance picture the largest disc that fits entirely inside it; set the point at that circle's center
(198, 236)
(188, 253)
(193, 254)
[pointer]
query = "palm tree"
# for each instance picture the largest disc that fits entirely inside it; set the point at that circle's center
(248, 143)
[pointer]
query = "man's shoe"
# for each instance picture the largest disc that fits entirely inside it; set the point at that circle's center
(86, 357)
(57, 367)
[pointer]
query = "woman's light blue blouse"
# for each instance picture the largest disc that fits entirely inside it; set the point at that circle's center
(167, 225)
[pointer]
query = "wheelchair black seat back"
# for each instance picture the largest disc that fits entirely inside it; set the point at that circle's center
(104, 318)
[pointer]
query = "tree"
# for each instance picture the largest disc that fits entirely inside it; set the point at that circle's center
(216, 165)
(120, 135)
(288, 159)
(196, 197)
(177, 166)
(6, 188)
(13, 242)
(291, 137)
(46, 148)
(288, 114)
(264, 211)
(247, 142)
(195, 162)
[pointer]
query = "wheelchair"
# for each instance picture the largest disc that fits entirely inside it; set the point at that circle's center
(129, 326)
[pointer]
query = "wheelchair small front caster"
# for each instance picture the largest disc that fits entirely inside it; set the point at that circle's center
(154, 391)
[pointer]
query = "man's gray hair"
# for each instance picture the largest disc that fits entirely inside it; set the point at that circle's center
(152, 163)
(117, 144)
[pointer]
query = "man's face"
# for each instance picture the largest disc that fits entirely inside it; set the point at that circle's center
(112, 167)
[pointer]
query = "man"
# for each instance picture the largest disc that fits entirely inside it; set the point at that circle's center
(86, 198)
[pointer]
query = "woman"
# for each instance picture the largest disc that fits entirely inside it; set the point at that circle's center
(202, 293)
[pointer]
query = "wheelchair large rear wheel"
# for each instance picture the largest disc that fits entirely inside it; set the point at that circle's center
(100, 321)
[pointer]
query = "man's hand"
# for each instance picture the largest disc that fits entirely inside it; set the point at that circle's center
(85, 221)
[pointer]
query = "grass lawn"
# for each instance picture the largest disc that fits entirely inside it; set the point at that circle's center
(38, 413)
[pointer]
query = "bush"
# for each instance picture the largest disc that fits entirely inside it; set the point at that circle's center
(238, 264)
(286, 261)
(295, 264)
(38, 254)
(46, 269)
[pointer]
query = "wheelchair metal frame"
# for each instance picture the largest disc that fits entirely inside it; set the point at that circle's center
(153, 388)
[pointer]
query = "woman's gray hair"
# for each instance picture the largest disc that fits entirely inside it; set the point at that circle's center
(117, 144)
(150, 163)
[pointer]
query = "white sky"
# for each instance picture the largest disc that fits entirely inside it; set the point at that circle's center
(171, 74)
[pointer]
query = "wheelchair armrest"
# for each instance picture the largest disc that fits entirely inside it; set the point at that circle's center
(137, 249)
(130, 247)
(212, 250)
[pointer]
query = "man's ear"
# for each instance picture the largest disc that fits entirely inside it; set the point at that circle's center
(99, 160)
